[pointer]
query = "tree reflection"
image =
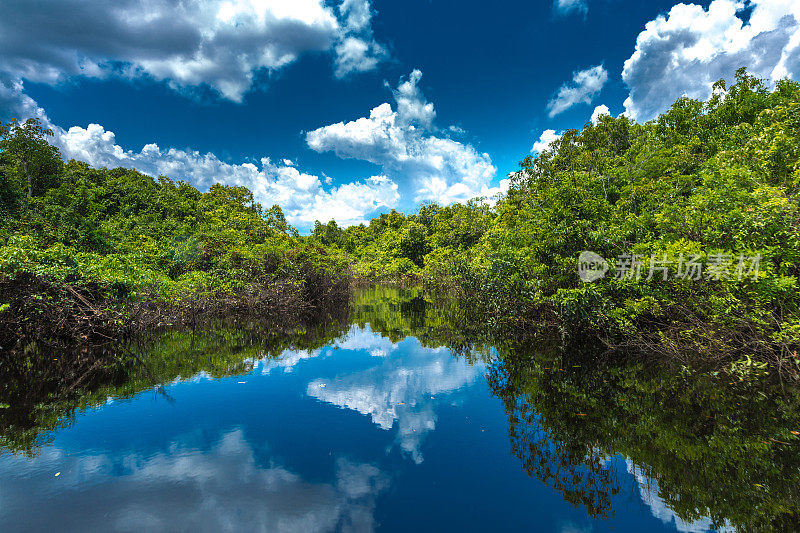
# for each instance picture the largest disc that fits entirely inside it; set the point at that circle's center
(582, 475)
(397, 313)
(704, 451)
(711, 453)
(33, 409)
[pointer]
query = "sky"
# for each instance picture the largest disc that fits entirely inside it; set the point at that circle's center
(345, 109)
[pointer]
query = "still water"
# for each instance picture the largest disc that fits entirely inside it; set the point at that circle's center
(368, 427)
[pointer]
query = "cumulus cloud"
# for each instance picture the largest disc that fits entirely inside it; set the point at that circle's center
(357, 14)
(357, 50)
(567, 7)
(585, 86)
(354, 54)
(14, 103)
(598, 112)
(686, 51)
(412, 107)
(218, 43)
(356, 339)
(287, 361)
(301, 195)
(546, 139)
(406, 145)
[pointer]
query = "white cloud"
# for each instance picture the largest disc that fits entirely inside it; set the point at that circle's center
(218, 43)
(357, 50)
(598, 112)
(686, 51)
(566, 7)
(357, 14)
(288, 360)
(355, 54)
(301, 195)
(14, 103)
(355, 339)
(403, 141)
(586, 85)
(350, 203)
(412, 107)
(546, 139)
(367, 340)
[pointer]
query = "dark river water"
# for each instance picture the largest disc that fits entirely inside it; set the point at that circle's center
(380, 424)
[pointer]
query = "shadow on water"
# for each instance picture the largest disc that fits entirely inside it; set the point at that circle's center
(711, 453)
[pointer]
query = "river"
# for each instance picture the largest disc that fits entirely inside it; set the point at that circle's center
(394, 422)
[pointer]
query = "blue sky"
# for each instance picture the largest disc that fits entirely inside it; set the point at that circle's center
(346, 109)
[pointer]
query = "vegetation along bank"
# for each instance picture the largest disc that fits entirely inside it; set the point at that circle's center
(692, 221)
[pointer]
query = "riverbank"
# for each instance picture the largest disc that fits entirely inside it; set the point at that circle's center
(677, 240)
(59, 341)
(591, 435)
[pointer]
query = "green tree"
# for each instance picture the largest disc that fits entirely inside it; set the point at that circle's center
(10, 191)
(413, 242)
(31, 157)
(276, 219)
(329, 234)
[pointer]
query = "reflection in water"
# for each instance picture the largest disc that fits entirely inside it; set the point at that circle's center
(363, 338)
(357, 338)
(300, 433)
(220, 489)
(402, 387)
(581, 474)
(649, 492)
(703, 455)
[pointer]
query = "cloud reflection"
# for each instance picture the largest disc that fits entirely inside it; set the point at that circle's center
(224, 488)
(354, 340)
(649, 492)
(401, 388)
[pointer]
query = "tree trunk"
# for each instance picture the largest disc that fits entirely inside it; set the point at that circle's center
(28, 176)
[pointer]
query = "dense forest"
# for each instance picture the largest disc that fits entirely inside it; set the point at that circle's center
(696, 213)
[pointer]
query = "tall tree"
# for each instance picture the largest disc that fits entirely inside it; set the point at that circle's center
(26, 147)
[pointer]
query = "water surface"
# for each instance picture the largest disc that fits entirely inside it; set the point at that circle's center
(373, 429)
